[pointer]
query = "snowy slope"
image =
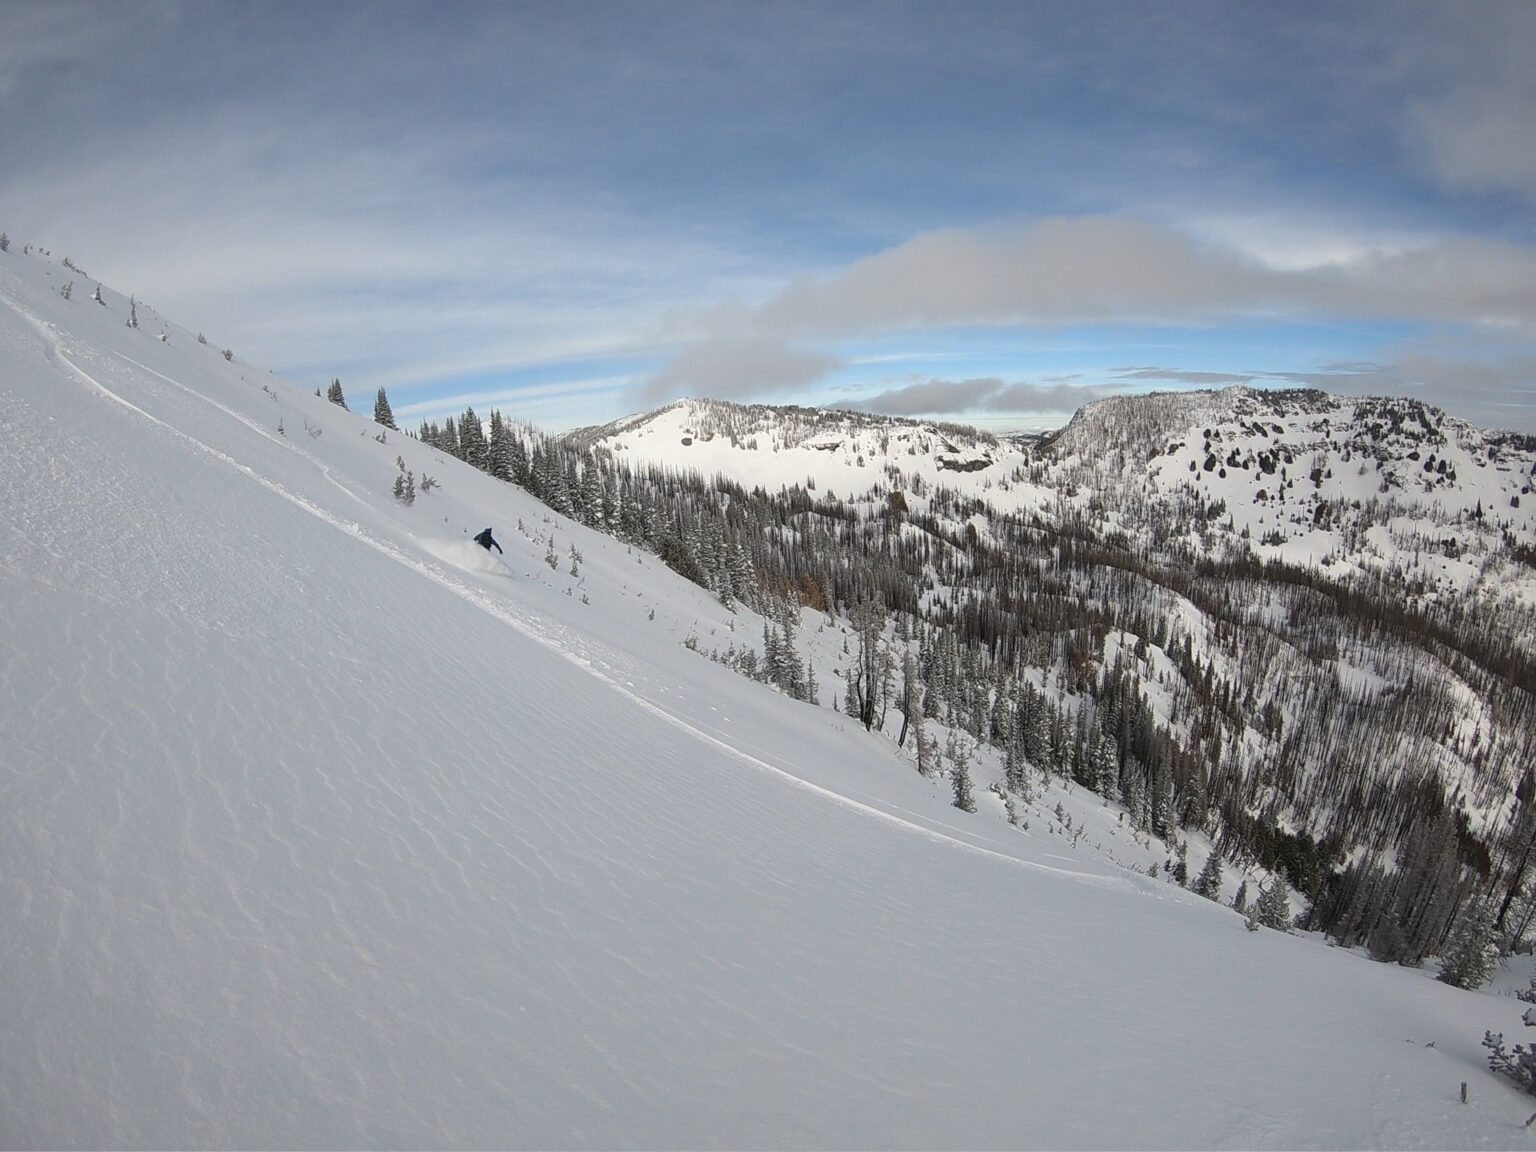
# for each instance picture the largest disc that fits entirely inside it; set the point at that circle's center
(324, 828)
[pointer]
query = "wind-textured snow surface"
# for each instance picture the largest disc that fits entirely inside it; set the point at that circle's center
(323, 828)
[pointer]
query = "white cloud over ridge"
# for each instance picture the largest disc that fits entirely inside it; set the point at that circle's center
(1103, 269)
(1088, 271)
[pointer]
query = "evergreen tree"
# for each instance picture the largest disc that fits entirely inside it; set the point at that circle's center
(1240, 901)
(1015, 770)
(1472, 951)
(501, 451)
(958, 754)
(1273, 909)
(381, 412)
(473, 449)
(522, 473)
(334, 394)
(922, 743)
(5, 242)
(1208, 883)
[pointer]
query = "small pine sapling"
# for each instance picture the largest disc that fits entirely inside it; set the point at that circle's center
(1517, 1063)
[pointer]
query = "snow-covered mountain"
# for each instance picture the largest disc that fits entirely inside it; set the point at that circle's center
(324, 827)
(1384, 487)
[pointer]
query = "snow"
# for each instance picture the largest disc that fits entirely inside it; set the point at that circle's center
(323, 828)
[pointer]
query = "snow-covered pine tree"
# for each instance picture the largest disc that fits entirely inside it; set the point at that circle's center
(1240, 901)
(5, 242)
(1472, 951)
(133, 312)
(1106, 766)
(957, 752)
(501, 455)
(472, 446)
(96, 296)
(382, 413)
(1015, 770)
(334, 394)
(1208, 883)
(1273, 909)
(770, 663)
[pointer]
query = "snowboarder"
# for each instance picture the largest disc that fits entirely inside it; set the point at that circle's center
(487, 541)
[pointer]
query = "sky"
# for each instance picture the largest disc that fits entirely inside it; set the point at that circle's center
(985, 212)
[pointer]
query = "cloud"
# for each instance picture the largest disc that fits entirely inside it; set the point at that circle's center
(727, 369)
(1493, 386)
(1470, 118)
(1101, 269)
(931, 396)
(981, 395)
(1091, 270)
(1184, 376)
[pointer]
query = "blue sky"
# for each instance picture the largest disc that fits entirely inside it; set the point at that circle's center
(985, 212)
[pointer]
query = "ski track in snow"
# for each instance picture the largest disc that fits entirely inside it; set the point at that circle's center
(555, 639)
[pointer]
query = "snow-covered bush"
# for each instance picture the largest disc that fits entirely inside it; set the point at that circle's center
(1517, 1063)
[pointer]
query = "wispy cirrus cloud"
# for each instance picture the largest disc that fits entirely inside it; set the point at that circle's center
(1186, 376)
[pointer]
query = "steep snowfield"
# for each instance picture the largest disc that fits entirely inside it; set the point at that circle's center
(323, 828)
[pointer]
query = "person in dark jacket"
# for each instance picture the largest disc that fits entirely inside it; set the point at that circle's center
(487, 541)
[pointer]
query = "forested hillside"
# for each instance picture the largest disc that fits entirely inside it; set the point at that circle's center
(1300, 624)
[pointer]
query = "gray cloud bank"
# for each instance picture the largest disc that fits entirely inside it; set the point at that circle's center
(1079, 271)
(1117, 270)
(1492, 391)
